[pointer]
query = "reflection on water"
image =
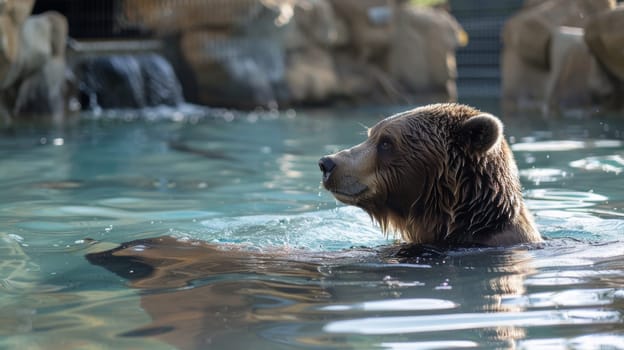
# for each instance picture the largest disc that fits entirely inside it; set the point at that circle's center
(440, 323)
(611, 163)
(225, 295)
(564, 145)
(253, 254)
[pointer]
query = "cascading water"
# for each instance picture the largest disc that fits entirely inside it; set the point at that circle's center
(127, 81)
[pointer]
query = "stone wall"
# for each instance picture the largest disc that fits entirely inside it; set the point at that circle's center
(558, 54)
(248, 53)
(244, 54)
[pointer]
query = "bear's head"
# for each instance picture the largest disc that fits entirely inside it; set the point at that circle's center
(437, 174)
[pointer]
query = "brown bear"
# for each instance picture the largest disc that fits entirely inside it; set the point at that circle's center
(440, 174)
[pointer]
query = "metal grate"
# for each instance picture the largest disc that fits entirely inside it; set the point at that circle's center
(478, 64)
(93, 19)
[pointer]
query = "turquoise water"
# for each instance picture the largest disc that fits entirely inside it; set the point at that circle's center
(260, 257)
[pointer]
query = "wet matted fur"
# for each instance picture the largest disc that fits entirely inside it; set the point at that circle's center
(437, 174)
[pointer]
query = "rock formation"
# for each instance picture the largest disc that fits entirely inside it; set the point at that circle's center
(248, 53)
(32, 63)
(563, 54)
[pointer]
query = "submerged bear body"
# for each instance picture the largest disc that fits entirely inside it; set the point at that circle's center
(438, 174)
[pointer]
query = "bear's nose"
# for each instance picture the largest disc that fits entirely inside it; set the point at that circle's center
(326, 165)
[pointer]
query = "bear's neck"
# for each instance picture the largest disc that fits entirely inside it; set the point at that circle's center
(467, 206)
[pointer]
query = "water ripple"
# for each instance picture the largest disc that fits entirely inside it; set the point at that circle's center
(609, 164)
(564, 145)
(415, 304)
(552, 198)
(430, 345)
(594, 341)
(565, 195)
(567, 298)
(454, 322)
(539, 175)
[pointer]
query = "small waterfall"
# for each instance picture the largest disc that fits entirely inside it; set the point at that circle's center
(160, 81)
(127, 81)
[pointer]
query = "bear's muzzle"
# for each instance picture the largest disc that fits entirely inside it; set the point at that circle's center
(345, 187)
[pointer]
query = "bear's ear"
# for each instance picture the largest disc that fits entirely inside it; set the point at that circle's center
(481, 132)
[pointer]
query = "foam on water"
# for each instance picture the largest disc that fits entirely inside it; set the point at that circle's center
(335, 229)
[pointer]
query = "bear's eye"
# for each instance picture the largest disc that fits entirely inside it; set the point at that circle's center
(384, 145)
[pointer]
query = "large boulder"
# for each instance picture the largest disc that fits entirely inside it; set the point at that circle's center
(526, 59)
(575, 79)
(34, 83)
(44, 92)
(42, 37)
(370, 25)
(240, 72)
(318, 24)
(243, 66)
(311, 76)
(528, 33)
(366, 83)
(604, 34)
(315, 33)
(523, 85)
(13, 13)
(167, 17)
(422, 51)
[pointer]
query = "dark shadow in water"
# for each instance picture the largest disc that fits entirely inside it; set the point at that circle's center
(226, 296)
(127, 267)
(183, 147)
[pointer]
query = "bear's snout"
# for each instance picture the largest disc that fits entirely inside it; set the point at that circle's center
(340, 177)
(327, 165)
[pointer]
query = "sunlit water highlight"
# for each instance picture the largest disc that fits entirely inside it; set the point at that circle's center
(265, 259)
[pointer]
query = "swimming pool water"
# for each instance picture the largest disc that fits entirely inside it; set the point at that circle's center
(260, 257)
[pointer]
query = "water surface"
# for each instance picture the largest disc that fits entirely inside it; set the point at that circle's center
(257, 256)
